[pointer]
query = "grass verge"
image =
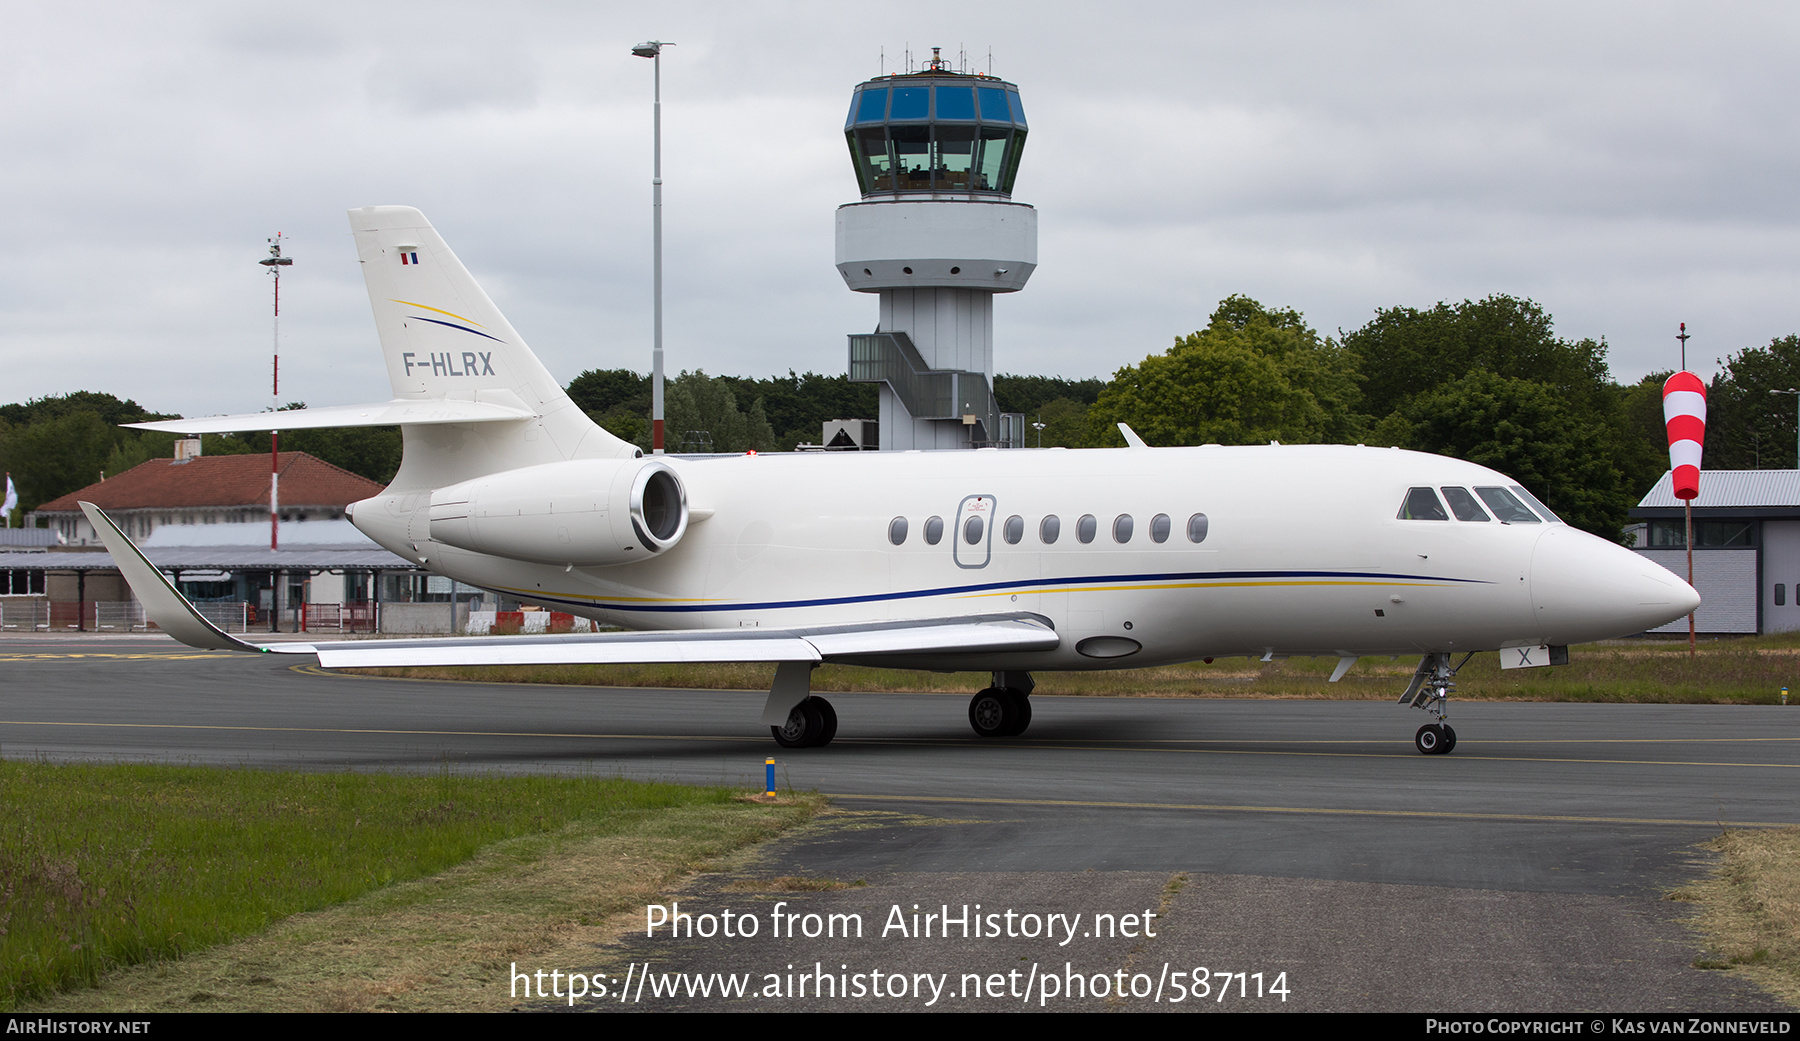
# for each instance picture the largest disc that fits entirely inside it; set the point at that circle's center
(420, 886)
(1750, 670)
(1750, 909)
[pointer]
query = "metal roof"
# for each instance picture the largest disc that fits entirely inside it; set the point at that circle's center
(221, 558)
(1732, 489)
(22, 538)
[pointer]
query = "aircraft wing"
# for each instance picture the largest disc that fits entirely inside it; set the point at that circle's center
(399, 412)
(171, 611)
(992, 633)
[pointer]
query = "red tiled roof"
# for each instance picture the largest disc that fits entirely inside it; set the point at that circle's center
(220, 480)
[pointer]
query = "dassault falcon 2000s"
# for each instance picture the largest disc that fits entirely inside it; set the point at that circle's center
(1002, 561)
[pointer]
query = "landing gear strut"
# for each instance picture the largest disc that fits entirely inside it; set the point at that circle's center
(1430, 690)
(1004, 709)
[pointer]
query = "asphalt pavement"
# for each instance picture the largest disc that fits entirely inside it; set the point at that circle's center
(1304, 842)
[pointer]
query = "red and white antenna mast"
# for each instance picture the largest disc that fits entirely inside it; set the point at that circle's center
(275, 262)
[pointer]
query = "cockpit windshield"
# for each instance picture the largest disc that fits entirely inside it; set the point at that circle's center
(1464, 505)
(1507, 505)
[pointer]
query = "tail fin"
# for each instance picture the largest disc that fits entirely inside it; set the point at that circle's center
(444, 339)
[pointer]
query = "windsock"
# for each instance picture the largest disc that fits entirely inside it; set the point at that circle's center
(1684, 413)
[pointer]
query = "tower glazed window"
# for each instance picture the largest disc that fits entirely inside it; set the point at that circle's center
(936, 132)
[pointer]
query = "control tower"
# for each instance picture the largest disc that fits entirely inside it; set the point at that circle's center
(937, 235)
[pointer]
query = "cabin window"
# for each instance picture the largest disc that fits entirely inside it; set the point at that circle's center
(1197, 528)
(1781, 594)
(1422, 504)
(1050, 530)
(1160, 526)
(1015, 529)
(1464, 505)
(972, 531)
(1506, 507)
(1122, 525)
(897, 530)
(934, 531)
(1085, 528)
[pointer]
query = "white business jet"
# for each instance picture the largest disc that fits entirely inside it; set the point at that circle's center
(1006, 562)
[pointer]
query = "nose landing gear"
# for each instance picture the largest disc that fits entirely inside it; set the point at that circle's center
(1430, 690)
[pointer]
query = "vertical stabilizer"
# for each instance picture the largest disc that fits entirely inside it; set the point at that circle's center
(442, 338)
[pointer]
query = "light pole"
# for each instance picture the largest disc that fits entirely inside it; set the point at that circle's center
(653, 50)
(275, 262)
(1796, 394)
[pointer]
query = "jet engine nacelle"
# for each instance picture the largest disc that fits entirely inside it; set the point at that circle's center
(584, 512)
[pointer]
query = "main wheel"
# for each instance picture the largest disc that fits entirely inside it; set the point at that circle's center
(991, 713)
(828, 716)
(805, 724)
(1021, 706)
(1431, 740)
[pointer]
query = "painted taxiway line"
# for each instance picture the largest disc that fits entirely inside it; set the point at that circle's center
(1537, 818)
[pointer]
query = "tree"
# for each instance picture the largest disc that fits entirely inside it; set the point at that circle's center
(1028, 394)
(1402, 351)
(617, 399)
(797, 406)
(1253, 375)
(56, 455)
(1418, 364)
(702, 415)
(1528, 431)
(1747, 427)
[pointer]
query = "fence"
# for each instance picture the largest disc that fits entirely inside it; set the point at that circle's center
(346, 618)
(233, 616)
(24, 614)
(118, 616)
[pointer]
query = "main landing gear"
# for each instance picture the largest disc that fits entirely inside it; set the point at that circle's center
(1004, 709)
(1430, 690)
(812, 724)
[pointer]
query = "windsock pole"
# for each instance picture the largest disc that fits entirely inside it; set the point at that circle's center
(1688, 507)
(1684, 415)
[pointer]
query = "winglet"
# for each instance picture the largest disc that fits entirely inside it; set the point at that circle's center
(162, 601)
(1131, 437)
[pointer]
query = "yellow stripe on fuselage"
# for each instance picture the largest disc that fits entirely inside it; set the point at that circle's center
(1195, 585)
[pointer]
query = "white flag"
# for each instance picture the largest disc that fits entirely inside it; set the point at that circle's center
(12, 498)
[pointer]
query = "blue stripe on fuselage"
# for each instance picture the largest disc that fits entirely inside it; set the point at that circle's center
(1037, 584)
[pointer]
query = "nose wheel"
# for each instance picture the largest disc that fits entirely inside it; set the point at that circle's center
(1434, 739)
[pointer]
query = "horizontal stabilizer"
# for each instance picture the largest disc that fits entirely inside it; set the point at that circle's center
(380, 414)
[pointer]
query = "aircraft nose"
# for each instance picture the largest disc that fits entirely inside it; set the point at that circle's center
(1584, 588)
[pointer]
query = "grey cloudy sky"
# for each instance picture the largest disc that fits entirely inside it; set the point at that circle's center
(1629, 166)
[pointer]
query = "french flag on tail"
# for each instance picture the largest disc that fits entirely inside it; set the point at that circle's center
(1684, 413)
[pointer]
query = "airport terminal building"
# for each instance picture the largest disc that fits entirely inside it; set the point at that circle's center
(1746, 548)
